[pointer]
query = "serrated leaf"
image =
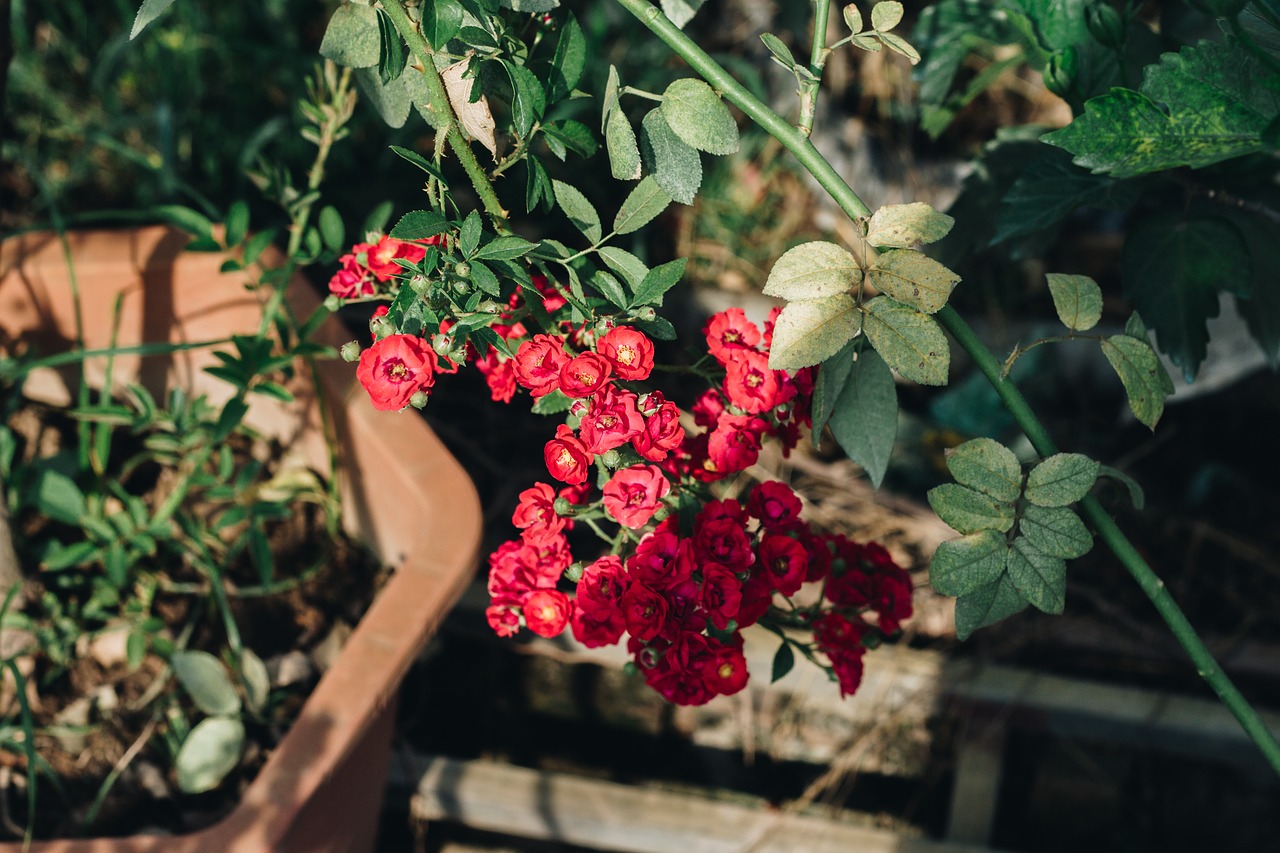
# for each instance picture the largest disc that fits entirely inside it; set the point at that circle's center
(574, 135)
(622, 147)
(148, 12)
(900, 45)
(528, 98)
(852, 18)
(391, 49)
(783, 662)
(474, 117)
(552, 403)
(658, 328)
(632, 269)
(1055, 531)
(642, 205)
(1141, 374)
(610, 288)
(1196, 107)
(538, 188)
(505, 248)
(886, 15)
(910, 342)
(812, 331)
(913, 279)
(988, 466)
(1062, 479)
(210, 752)
(987, 605)
(569, 61)
(441, 21)
(812, 271)
(531, 5)
(681, 12)
(580, 211)
(832, 375)
(780, 51)
(469, 233)
(697, 115)
(206, 681)
(657, 282)
(970, 511)
(1050, 187)
(1077, 299)
(419, 225)
(675, 165)
(1174, 267)
(484, 278)
(864, 419)
(351, 39)
(906, 226)
(1038, 577)
(391, 101)
(961, 566)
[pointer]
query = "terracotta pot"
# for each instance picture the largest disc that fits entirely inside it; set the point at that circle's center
(321, 788)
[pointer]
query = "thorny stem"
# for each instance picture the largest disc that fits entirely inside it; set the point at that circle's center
(448, 122)
(988, 364)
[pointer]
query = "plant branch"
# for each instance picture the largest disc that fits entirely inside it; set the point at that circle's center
(986, 361)
(448, 121)
(817, 60)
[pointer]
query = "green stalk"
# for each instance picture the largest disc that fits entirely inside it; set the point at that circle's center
(424, 53)
(1103, 524)
(817, 60)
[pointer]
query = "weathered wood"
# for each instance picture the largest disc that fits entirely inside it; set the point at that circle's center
(607, 816)
(977, 785)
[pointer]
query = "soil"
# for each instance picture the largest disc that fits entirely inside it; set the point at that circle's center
(95, 715)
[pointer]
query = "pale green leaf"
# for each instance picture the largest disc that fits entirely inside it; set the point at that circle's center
(865, 416)
(206, 681)
(900, 45)
(657, 282)
(674, 165)
(1141, 374)
(906, 226)
(148, 12)
(852, 18)
(1039, 578)
(886, 15)
(569, 61)
(988, 466)
(970, 511)
(632, 269)
(1062, 479)
(963, 565)
(210, 752)
(913, 279)
(912, 343)
(697, 115)
(1056, 531)
(57, 496)
(1077, 299)
(644, 203)
(812, 271)
(392, 101)
(811, 331)
(351, 39)
(257, 683)
(610, 288)
(579, 210)
(681, 11)
(621, 146)
(780, 51)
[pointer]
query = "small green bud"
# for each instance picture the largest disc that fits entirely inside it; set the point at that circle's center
(610, 458)
(418, 284)
(1105, 24)
(563, 507)
(418, 400)
(573, 574)
(1060, 74)
(332, 303)
(646, 313)
(350, 351)
(461, 287)
(381, 327)
(462, 270)
(442, 344)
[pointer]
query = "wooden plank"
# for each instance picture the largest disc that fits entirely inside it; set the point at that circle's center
(976, 791)
(610, 817)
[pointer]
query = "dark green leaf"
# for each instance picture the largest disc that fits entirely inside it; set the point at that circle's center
(1050, 187)
(579, 210)
(674, 165)
(826, 390)
(419, 225)
(569, 61)
(505, 248)
(193, 222)
(332, 230)
(1062, 479)
(421, 162)
(632, 269)
(610, 288)
(961, 566)
(552, 404)
(538, 187)
(659, 328)
(528, 101)
(483, 278)
(441, 21)
(970, 511)
(351, 39)
(641, 207)
(657, 282)
(865, 416)
(391, 56)
(237, 225)
(1136, 495)
(1039, 578)
(57, 496)
(987, 605)
(575, 135)
(1055, 531)
(783, 662)
(469, 234)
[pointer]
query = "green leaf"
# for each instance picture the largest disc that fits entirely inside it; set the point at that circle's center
(1039, 578)
(632, 269)
(569, 61)
(675, 166)
(698, 116)
(1050, 187)
(987, 605)
(813, 271)
(56, 495)
(574, 135)
(657, 282)
(419, 225)
(538, 189)
(642, 206)
(392, 101)
(505, 248)
(899, 45)
(1196, 107)
(1136, 496)
(970, 511)
(610, 288)
(192, 221)
(813, 330)
(865, 415)
(256, 681)
(210, 752)
(1077, 299)
(906, 226)
(852, 18)
(528, 98)
(441, 21)
(988, 466)
(391, 51)
(780, 51)
(783, 661)
(886, 15)
(552, 404)
(469, 233)
(206, 681)
(832, 375)
(658, 328)
(332, 231)
(913, 279)
(681, 11)
(531, 5)
(148, 12)
(621, 146)
(1055, 531)
(60, 556)
(237, 224)
(1062, 479)
(351, 39)
(961, 566)
(1173, 268)
(579, 210)
(421, 162)
(910, 342)
(483, 278)
(1141, 374)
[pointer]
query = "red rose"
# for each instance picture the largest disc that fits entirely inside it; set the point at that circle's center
(775, 504)
(593, 631)
(352, 281)
(568, 460)
(722, 540)
(721, 594)
(654, 559)
(601, 587)
(662, 432)
(783, 562)
(499, 374)
(394, 369)
(644, 610)
(546, 612)
(611, 420)
(503, 618)
(633, 494)
(629, 351)
(749, 383)
(730, 330)
(382, 257)
(585, 374)
(726, 672)
(538, 363)
(734, 445)
(537, 509)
